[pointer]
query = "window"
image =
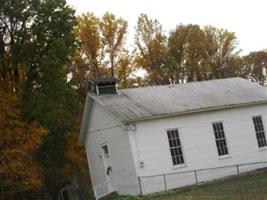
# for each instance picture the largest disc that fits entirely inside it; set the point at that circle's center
(260, 134)
(175, 147)
(220, 138)
(105, 150)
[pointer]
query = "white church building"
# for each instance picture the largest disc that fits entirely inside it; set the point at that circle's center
(151, 139)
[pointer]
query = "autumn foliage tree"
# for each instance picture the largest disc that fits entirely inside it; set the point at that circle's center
(113, 32)
(37, 36)
(187, 50)
(101, 49)
(124, 70)
(151, 51)
(90, 52)
(202, 53)
(255, 67)
(46, 59)
(21, 175)
(221, 51)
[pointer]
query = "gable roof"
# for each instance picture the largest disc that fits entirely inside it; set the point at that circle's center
(137, 104)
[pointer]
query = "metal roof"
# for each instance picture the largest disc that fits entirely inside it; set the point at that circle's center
(158, 101)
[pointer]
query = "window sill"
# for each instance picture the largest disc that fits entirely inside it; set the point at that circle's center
(263, 148)
(179, 166)
(224, 157)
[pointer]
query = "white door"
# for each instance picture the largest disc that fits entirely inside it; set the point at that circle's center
(107, 166)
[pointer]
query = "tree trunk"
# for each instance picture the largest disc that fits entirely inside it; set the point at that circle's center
(112, 64)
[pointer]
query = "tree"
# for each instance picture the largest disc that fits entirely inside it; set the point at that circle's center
(101, 51)
(76, 168)
(255, 67)
(21, 176)
(220, 52)
(113, 32)
(88, 61)
(38, 37)
(101, 47)
(124, 70)
(187, 51)
(51, 101)
(151, 48)
(177, 56)
(202, 53)
(16, 18)
(87, 32)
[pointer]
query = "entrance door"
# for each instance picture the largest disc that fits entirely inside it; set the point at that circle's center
(107, 166)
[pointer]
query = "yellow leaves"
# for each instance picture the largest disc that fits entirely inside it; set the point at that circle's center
(102, 41)
(151, 51)
(124, 69)
(19, 140)
(113, 30)
(75, 153)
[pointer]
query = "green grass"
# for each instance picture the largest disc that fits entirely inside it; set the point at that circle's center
(246, 187)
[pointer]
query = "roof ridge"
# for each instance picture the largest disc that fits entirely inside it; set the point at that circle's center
(181, 84)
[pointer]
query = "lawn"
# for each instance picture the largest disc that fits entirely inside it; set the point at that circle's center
(246, 187)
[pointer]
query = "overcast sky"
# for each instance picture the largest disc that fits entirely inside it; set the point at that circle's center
(247, 18)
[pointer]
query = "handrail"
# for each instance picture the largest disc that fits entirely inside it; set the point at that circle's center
(102, 189)
(204, 169)
(195, 175)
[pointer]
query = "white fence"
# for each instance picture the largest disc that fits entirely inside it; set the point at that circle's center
(103, 189)
(164, 182)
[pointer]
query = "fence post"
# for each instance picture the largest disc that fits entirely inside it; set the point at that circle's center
(140, 185)
(237, 169)
(195, 172)
(165, 184)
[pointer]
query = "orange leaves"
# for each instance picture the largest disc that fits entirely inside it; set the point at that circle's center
(255, 67)
(75, 153)
(102, 41)
(151, 49)
(19, 139)
(91, 48)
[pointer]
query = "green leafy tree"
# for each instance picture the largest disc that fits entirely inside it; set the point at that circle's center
(37, 36)
(187, 51)
(177, 55)
(16, 19)
(47, 96)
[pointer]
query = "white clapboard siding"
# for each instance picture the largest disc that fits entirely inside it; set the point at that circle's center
(180, 180)
(150, 144)
(123, 172)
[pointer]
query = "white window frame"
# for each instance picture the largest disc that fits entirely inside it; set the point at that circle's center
(225, 138)
(181, 146)
(255, 132)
